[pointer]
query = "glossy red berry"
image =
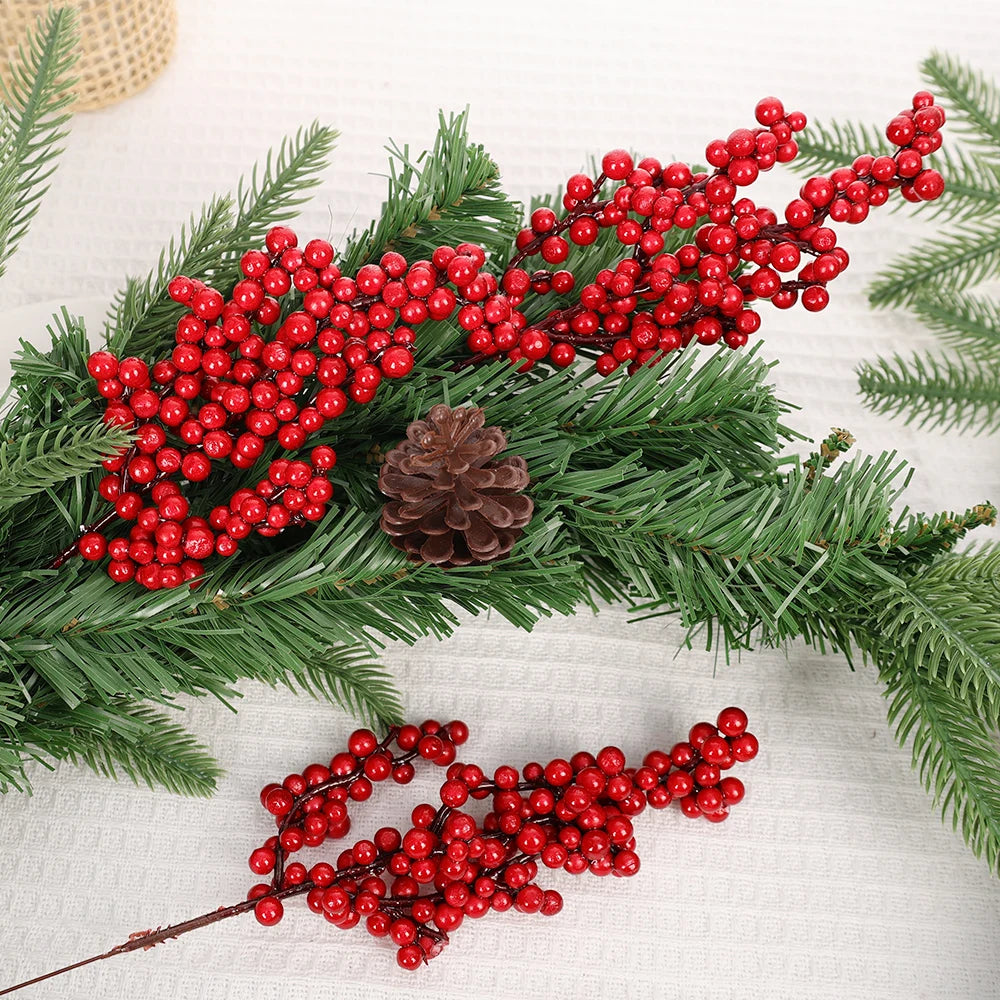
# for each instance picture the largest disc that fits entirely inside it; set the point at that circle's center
(92, 546)
(268, 910)
(732, 721)
(617, 164)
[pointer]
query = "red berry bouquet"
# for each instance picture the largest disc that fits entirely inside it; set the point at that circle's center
(417, 887)
(282, 455)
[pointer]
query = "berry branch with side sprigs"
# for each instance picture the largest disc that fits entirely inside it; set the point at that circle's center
(417, 887)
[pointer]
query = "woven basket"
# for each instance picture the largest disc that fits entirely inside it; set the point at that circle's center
(124, 44)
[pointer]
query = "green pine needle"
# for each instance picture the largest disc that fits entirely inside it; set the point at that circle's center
(34, 114)
(141, 310)
(945, 620)
(930, 391)
(142, 316)
(275, 190)
(954, 752)
(970, 323)
(122, 738)
(361, 688)
(953, 262)
(449, 194)
(44, 458)
(932, 279)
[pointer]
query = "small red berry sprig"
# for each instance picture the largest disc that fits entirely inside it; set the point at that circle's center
(226, 391)
(417, 886)
(653, 302)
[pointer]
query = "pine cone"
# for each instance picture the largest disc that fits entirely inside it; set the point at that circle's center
(451, 505)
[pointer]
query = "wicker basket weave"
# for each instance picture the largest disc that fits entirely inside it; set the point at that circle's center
(124, 44)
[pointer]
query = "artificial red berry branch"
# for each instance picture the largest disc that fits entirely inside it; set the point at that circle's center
(226, 391)
(653, 302)
(417, 887)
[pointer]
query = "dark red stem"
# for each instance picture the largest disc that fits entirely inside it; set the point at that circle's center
(149, 939)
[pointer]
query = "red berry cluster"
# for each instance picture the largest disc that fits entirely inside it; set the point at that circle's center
(226, 391)
(652, 301)
(416, 887)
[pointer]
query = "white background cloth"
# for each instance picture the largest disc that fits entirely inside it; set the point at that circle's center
(836, 877)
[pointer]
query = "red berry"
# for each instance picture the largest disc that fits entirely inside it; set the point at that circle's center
(180, 289)
(92, 546)
(732, 721)
(815, 298)
(745, 747)
(928, 184)
(580, 187)
(769, 110)
(616, 164)
(268, 910)
(900, 131)
(396, 362)
(279, 239)
(262, 861)
(410, 957)
(732, 790)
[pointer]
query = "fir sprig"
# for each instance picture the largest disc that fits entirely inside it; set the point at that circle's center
(36, 94)
(953, 262)
(954, 753)
(46, 457)
(210, 246)
(446, 195)
(970, 323)
(939, 658)
(933, 391)
(124, 739)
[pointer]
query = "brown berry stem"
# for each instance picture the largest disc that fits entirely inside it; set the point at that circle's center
(150, 939)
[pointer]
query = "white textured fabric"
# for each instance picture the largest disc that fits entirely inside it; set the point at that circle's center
(836, 877)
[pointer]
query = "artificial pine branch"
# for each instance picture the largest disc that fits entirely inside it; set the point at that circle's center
(123, 738)
(447, 195)
(211, 245)
(38, 460)
(945, 620)
(954, 262)
(48, 386)
(961, 394)
(35, 94)
(136, 316)
(954, 752)
(970, 323)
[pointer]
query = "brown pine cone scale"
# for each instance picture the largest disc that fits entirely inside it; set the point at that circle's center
(452, 505)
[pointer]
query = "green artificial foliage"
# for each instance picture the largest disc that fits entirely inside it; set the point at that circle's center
(34, 109)
(939, 280)
(671, 491)
(941, 651)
